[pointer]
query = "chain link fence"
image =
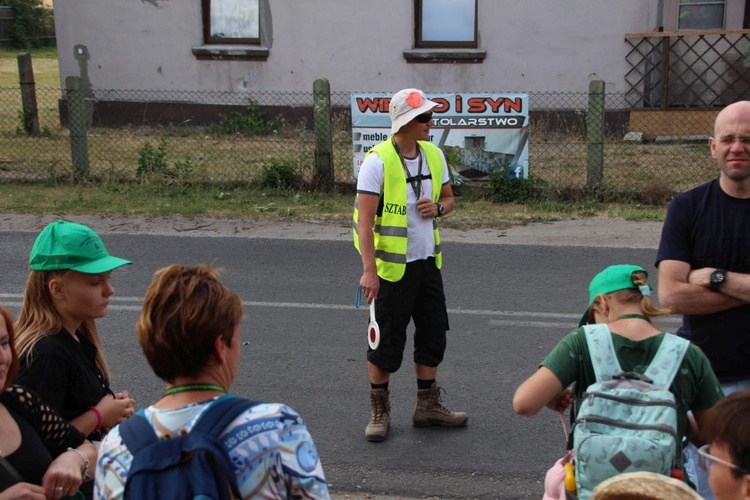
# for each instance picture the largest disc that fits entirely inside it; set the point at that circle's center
(268, 137)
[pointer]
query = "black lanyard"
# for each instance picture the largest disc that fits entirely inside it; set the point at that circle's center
(416, 183)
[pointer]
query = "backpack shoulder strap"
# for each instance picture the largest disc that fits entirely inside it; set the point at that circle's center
(601, 351)
(137, 433)
(667, 360)
(221, 413)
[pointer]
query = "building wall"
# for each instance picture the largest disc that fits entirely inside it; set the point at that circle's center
(532, 45)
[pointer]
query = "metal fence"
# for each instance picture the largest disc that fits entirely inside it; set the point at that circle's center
(245, 138)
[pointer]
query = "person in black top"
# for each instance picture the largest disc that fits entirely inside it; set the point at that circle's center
(704, 262)
(42, 456)
(61, 357)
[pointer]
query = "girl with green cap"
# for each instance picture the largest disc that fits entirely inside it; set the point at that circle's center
(67, 290)
(620, 298)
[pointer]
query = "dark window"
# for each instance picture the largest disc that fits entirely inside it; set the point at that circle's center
(231, 22)
(701, 14)
(445, 23)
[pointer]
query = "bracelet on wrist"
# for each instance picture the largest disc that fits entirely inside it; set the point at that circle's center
(99, 418)
(85, 473)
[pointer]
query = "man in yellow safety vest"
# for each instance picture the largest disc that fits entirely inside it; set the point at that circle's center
(403, 186)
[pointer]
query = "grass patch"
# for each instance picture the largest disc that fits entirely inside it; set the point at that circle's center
(226, 202)
(44, 61)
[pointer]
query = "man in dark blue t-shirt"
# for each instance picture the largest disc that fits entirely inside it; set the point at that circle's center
(704, 261)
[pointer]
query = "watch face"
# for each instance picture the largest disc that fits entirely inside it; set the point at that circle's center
(717, 278)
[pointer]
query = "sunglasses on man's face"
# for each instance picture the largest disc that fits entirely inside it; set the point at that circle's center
(424, 117)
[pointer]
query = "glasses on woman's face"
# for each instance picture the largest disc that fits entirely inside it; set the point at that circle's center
(707, 460)
(424, 117)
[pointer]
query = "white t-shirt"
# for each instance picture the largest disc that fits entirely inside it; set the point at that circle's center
(420, 241)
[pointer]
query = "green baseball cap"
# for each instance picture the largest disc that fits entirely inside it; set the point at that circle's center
(67, 245)
(613, 279)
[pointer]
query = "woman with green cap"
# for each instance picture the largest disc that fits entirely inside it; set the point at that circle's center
(619, 299)
(67, 290)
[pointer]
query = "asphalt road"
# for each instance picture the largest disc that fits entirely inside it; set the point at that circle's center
(508, 305)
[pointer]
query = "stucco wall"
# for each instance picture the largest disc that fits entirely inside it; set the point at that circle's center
(532, 45)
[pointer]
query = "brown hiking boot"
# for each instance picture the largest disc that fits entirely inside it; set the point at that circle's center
(380, 415)
(430, 410)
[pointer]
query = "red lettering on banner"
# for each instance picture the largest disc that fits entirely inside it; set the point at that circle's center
(375, 104)
(476, 105)
(514, 105)
(495, 103)
(442, 105)
(482, 104)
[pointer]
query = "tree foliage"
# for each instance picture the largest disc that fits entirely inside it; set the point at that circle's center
(34, 24)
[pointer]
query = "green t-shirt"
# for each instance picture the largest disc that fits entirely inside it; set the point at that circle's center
(695, 387)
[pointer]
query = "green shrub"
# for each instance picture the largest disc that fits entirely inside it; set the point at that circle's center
(181, 170)
(24, 119)
(282, 176)
(504, 189)
(153, 165)
(26, 127)
(152, 162)
(252, 122)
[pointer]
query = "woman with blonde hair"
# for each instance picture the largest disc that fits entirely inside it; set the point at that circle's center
(42, 455)
(619, 299)
(61, 356)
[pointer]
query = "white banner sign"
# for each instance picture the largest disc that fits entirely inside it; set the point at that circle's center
(479, 133)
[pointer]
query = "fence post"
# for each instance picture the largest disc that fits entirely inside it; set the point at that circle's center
(78, 123)
(30, 113)
(323, 137)
(595, 134)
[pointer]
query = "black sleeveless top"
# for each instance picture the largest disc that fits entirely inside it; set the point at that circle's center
(44, 436)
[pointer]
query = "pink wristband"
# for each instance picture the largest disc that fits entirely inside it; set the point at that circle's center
(99, 419)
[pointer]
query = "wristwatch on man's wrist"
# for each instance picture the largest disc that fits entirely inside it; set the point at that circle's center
(718, 277)
(441, 209)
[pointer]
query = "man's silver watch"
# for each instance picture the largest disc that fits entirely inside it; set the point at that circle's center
(441, 209)
(718, 277)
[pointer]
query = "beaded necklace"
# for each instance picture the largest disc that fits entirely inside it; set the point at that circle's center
(177, 389)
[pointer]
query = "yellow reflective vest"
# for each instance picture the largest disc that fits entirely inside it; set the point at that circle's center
(390, 229)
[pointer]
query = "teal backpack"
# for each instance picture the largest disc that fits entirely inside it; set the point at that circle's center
(627, 421)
